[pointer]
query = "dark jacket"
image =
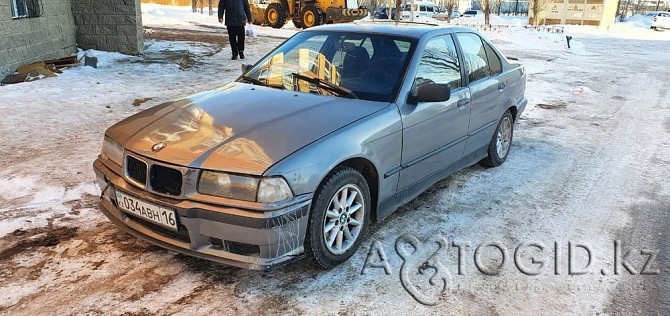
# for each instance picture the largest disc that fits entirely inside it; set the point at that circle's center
(237, 12)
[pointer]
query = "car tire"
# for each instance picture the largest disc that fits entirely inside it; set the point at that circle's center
(341, 182)
(311, 16)
(274, 16)
(501, 142)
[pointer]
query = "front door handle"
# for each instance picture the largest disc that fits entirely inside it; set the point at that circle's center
(462, 102)
(501, 86)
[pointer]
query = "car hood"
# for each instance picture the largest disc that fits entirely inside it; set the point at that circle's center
(238, 128)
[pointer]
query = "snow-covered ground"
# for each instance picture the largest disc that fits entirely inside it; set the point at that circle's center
(156, 15)
(590, 164)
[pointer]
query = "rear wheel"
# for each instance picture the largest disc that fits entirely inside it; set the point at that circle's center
(311, 16)
(274, 16)
(339, 218)
(501, 142)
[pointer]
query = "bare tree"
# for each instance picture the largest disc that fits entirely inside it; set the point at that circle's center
(194, 5)
(211, 4)
(537, 7)
(485, 6)
(398, 7)
(496, 5)
(639, 6)
(622, 9)
(372, 6)
(450, 9)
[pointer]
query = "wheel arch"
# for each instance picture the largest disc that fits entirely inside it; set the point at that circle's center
(514, 112)
(369, 172)
(509, 105)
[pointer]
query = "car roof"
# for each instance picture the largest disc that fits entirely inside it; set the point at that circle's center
(406, 29)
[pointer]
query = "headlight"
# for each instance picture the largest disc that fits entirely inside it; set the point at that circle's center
(112, 151)
(228, 185)
(265, 190)
(273, 190)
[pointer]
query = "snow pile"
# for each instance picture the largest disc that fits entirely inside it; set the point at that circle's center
(527, 39)
(426, 19)
(578, 48)
(47, 200)
(42, 195)
(638, 21)
(16, 187)
(105, 59)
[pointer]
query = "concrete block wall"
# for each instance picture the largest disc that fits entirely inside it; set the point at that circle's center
(27, 40)
(109, 25)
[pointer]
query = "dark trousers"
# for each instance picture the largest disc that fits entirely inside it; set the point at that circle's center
(236, 36)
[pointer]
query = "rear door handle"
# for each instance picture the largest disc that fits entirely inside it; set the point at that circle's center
(501, 86)
(462, 102)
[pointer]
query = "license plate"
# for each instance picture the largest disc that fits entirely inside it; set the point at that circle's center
(151, 212)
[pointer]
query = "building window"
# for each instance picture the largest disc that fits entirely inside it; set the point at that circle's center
(26, 8)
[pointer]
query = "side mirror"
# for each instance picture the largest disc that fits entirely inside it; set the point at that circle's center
(430, 92)
(246, 67)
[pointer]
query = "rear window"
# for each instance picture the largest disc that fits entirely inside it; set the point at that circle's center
(470, 12)
(494, 59)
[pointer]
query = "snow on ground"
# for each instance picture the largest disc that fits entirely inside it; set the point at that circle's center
(589, 164)
(156, 15)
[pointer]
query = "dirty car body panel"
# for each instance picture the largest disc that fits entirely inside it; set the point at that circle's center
(155, 161)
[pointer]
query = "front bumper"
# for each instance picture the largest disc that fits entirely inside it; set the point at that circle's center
(252, 239)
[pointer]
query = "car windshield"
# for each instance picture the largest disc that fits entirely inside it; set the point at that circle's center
(470, 12)
(345, 64)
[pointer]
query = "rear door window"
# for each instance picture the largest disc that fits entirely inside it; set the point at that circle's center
(474, 56)
(494, 60)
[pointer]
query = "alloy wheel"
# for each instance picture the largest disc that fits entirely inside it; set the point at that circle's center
(344, 219)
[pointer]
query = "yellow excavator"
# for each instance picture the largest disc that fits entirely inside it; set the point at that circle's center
(305, 13)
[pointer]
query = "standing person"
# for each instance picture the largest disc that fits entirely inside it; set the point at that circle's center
(236, 12)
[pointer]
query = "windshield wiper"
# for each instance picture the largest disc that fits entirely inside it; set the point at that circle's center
(326, 85)
(261, 83)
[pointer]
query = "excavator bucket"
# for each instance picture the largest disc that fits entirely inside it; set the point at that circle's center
(258, 13)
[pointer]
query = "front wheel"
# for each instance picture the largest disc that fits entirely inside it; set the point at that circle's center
(339, 218)
(501, 142)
